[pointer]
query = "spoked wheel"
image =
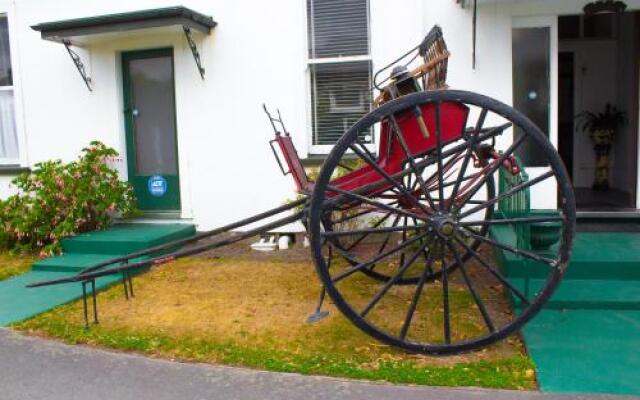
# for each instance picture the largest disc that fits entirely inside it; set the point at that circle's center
(446, 293)
(353, 247)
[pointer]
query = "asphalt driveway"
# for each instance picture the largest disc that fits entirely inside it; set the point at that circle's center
(33, 368)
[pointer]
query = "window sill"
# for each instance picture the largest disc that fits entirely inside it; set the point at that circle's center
(315, 159)
(12, 169)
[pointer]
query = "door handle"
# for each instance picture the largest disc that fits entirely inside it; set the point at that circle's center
(133, 111)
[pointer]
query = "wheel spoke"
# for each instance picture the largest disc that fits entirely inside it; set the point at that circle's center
(467, 156)
(416, 297)
(359, 214)
(400, 136)
(386, 176)
(476, 297)
(439, 155)
(386, 241)
(375, 203)
(493, 271)
(508, 193)
(445, 302)
(376, 259)
(514, 250)
(399, 228)
(378, 296)
(508, 221)
(493, 168)
(368, 188)
(365, 234)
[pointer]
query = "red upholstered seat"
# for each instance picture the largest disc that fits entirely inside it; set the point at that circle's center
(391, 155)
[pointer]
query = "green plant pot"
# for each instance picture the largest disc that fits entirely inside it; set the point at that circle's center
(545, 234)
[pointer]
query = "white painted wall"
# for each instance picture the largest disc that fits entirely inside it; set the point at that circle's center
(256, 54)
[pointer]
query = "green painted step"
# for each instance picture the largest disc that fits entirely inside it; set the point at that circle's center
(72, 262)
(18, 303)
(598, 256)
(126, 238)
(584, 294)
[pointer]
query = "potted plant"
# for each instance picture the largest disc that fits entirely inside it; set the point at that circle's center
(602, 128)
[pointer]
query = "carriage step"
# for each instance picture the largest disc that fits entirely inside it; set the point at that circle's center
(126, 238)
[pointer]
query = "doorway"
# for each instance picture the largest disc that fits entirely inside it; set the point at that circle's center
(150, 124)
(598, 68)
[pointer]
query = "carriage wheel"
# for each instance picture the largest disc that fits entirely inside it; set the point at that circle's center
(350, 248)
(449, 233)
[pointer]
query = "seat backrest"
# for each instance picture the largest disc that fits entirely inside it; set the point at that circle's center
(453, 121)
(294, 164)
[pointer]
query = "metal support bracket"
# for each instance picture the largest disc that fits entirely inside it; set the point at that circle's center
(194, 49)
(78, 63)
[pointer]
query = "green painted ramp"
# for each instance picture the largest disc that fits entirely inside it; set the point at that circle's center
(586, 351)
(18, 303)
(587, 337)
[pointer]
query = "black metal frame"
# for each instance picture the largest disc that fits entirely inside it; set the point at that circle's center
(194, 50)
(77, 61)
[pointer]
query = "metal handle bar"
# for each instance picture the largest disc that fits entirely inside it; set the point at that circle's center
(273, 120)
(275, 154)
(434, 35)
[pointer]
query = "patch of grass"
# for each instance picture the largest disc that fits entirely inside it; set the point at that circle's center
(248, 313)
(12, 264)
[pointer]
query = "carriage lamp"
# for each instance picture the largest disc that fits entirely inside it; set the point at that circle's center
(404, 82)
(605, 7)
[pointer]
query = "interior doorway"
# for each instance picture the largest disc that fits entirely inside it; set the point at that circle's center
(598, 63)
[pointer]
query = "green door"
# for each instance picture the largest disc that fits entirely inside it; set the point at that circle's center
(149, 107)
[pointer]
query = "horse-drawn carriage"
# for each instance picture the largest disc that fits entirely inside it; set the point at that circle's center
(417, 213)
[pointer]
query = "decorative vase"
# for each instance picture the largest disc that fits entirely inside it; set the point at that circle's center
(602, 139)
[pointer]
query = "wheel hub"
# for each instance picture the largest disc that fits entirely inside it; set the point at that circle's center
(444, 225)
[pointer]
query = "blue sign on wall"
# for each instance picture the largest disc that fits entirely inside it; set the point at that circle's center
(157, 186)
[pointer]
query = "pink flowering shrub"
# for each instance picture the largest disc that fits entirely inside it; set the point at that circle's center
(57, 200)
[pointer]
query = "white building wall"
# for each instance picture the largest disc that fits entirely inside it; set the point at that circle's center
(257, 53)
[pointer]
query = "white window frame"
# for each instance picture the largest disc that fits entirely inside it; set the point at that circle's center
(324, 149)
(7, 9)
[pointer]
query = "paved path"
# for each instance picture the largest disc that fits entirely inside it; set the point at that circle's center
(32, 368)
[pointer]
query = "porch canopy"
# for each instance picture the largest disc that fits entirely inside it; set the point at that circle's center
(85, 31)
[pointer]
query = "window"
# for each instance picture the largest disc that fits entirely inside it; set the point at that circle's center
(8, 134)
(340, 66)
(575, 27)
(532, 86)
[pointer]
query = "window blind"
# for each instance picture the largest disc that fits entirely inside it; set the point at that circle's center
(340, 97)
(338, 28)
